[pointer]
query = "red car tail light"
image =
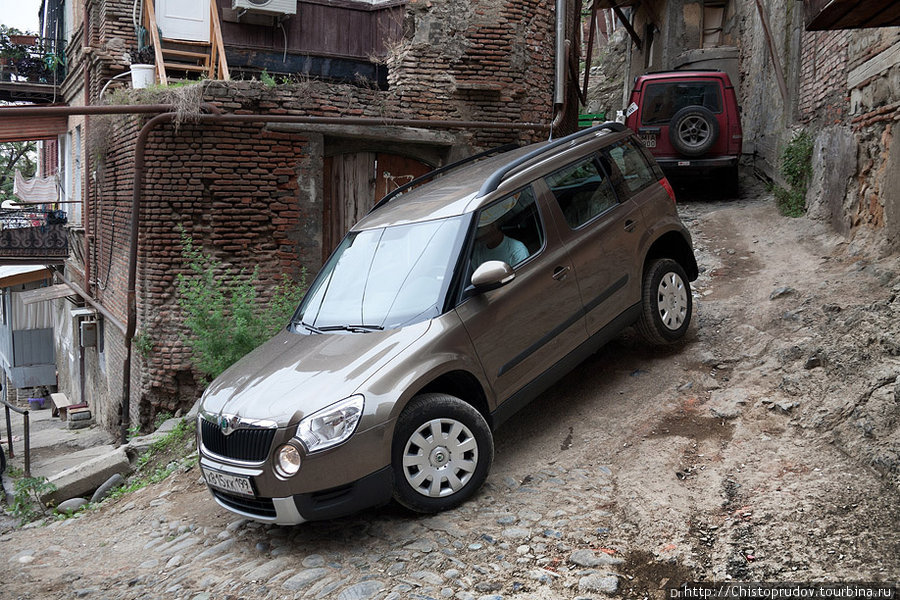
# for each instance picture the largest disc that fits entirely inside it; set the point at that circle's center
(668, 187)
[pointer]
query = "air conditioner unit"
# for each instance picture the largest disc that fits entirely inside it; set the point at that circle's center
(269, 7)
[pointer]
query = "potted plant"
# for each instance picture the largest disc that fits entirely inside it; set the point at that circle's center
(143, 71)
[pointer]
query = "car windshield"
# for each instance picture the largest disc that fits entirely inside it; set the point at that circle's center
(385, 278)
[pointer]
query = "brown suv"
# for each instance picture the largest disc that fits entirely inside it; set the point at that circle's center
(440, 314)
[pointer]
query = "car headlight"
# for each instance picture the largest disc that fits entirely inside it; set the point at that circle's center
(332, 425)
(287, 460)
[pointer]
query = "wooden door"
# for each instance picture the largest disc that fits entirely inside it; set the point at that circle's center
(354, 182)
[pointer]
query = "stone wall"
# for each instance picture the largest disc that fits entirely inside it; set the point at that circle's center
(851, 81)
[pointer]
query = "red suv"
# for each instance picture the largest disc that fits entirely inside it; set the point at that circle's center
(689, 120)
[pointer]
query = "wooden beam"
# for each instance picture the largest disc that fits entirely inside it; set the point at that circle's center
(634, 36)
(779, 74)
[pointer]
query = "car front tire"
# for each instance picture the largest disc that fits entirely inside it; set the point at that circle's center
(666, 303)
(441, 454)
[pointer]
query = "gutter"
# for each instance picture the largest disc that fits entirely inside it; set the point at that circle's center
(165, 113)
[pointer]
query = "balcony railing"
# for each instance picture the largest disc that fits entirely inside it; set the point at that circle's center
(31, 59)
(32, 234)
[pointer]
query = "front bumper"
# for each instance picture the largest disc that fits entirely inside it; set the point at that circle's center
(369, 491)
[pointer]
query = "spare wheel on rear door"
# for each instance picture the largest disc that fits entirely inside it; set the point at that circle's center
(693, 130)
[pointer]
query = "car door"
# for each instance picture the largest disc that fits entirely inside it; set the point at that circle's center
(521, 329)
(602, 232)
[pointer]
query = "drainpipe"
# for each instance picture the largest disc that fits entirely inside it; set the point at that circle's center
(86, 197)
(559, 86)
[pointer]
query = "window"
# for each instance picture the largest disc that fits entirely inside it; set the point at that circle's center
(713, 23)
(634, 170)
(663, 100)
(508, 230)
(582, 190)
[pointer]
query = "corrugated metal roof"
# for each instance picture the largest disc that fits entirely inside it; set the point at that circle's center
(17, 274)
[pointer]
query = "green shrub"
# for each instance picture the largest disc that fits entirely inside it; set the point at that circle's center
(796, 168)
(27, 492)
(222, 311)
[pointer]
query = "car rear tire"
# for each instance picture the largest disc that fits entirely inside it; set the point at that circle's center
(666, 303)
(693, 130)
(441, 454)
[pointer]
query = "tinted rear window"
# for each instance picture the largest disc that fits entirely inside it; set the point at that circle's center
(662, 100)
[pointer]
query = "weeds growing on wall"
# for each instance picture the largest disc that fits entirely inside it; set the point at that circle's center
(225, 318)
(796, 168)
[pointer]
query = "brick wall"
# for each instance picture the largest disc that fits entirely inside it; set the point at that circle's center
(251, 196)
(823, 96)
(478, 60)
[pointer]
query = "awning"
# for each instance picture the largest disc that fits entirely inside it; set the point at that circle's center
(17, 275)
(43, 294)
(850, 14)
(26, 129)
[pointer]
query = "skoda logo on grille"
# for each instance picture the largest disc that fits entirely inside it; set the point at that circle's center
(229, 425)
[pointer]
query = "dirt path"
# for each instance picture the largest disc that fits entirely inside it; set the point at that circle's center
(765, 448)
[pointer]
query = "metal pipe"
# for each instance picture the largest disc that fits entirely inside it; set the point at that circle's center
(86, 175)
(165, 113)
(559, 93)
(68, 111)
(90, 300)
(27, 445)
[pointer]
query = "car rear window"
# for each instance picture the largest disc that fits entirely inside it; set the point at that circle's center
(582, 190)
(663, 100)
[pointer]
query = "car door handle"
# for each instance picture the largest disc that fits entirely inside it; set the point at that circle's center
(559, 273)
(630, 225)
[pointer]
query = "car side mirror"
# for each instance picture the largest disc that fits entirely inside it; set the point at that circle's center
(492, 274)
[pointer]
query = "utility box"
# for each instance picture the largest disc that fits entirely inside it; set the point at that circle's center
(88, 331)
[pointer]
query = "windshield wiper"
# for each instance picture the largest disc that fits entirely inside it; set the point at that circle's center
(310, 327)
(353, 328)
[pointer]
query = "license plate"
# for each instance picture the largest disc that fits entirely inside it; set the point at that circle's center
(649, 139)
(228, 483)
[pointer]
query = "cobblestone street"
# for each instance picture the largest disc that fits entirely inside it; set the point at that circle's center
(641, 469)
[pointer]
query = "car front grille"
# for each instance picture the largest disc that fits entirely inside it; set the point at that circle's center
(251, 445)
(261, 507)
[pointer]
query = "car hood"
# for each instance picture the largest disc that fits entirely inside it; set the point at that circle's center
(295, 374)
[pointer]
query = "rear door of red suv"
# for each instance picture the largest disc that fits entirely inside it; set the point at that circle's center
(661, 102)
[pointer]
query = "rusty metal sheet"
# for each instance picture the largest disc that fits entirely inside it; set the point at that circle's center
(24, 129)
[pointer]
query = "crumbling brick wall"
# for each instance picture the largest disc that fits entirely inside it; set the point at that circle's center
(823, 96)
(252, 195)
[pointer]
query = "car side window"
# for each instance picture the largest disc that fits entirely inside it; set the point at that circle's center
(583, 191)
(636, 172)
(508, 230)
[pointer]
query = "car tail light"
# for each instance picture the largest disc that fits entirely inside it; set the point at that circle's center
(668, 187)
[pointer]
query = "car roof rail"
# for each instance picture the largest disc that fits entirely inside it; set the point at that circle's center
(494, 181)
(441, 170)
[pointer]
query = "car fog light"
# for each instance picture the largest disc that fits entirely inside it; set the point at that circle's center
(288, 459)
